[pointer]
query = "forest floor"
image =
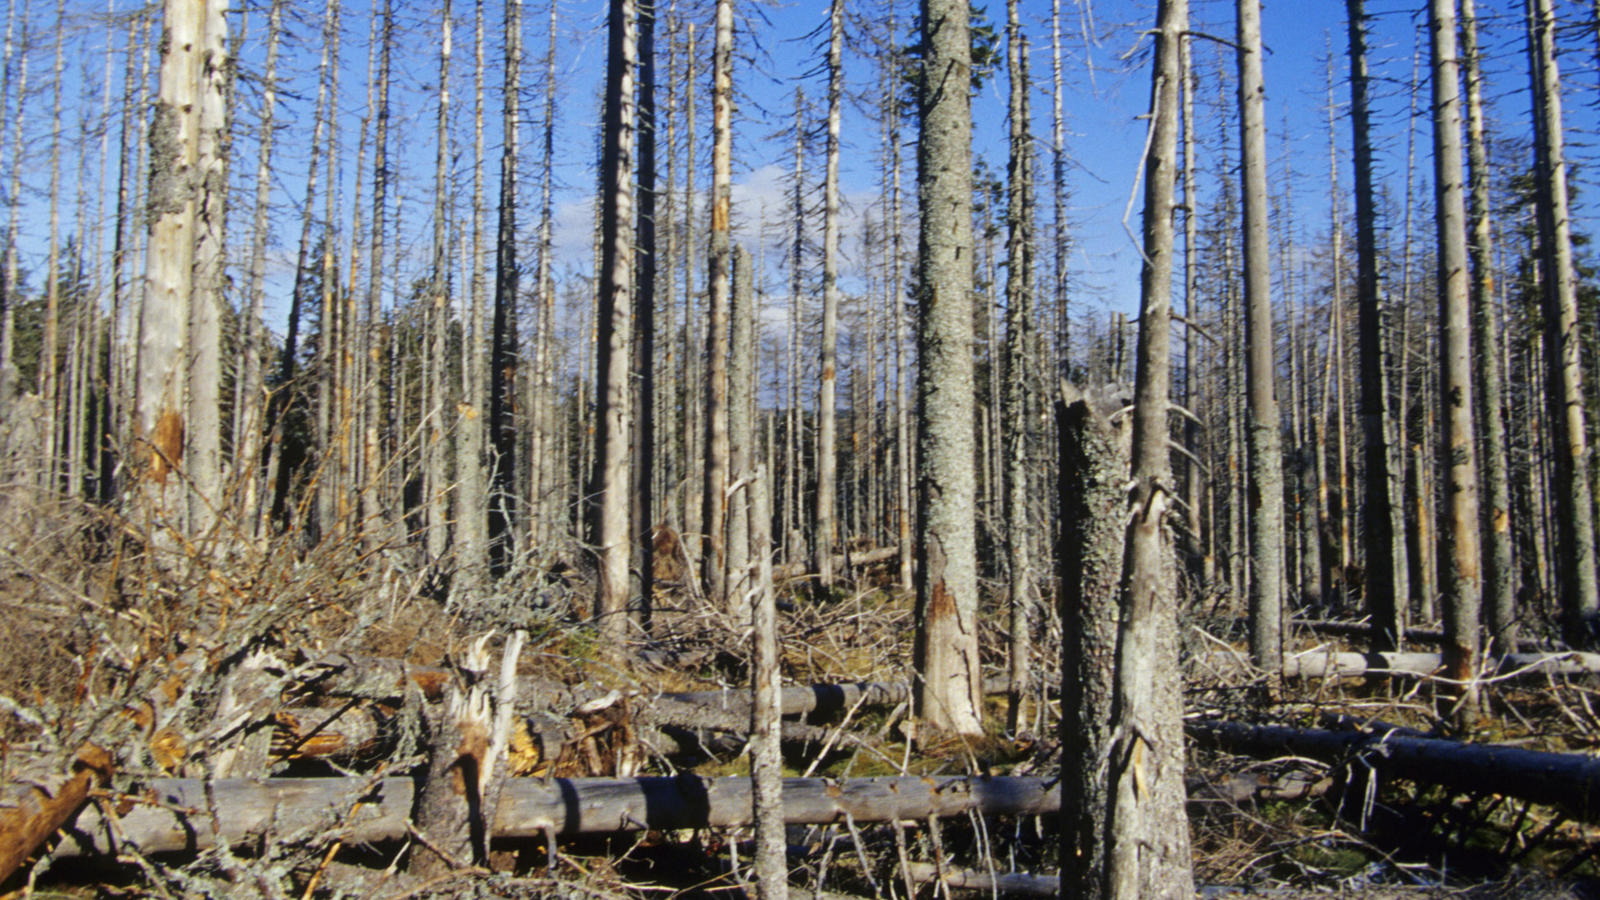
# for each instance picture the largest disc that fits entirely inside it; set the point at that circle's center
(150, 658)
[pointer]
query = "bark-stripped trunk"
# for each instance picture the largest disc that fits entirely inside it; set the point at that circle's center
(1265, 439)
(472, 510)
(741, 426)
(608, 532)
(766, 687)
(720, 282)
(374, 496)
(163, 323)
(824, 533)
(946, 651)
(1019, 321)
(1388, 613)
(204, 454)
(8, 287)
(1461, 585)
(1574, 493)
(435, 475)
(1498, 575)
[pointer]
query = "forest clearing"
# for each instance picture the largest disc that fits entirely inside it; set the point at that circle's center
(363, 534)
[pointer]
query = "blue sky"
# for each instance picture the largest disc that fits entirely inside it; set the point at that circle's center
(1104, 56)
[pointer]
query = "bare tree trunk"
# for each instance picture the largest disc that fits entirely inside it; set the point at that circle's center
(472, 510)
(824, 532)
(720, 279)
(8, 287)
(1498, 584)
(612, 465)
(546, 507)
(741, 425)
(1574, 495)
(644, 327)
(1094, 471)
(435, 474)
(1265, 441)
(163, 324)
(1147, 828)
(374, 494)
(767, 701)
(1462, 585)
(946, 652)
(503, 346)
(1019, 319)
(47, 383)
(252, 392)
(1383, 601)
(204, 466)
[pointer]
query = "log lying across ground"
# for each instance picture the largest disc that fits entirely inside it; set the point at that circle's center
(1344, 664)
(1570, 781)
(1415, 635)
(177, 814)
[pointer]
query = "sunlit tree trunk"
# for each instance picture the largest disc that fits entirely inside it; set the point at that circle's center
(824, 532)
(608, 531)
(1574, 496)
(950, 677)
(720, 282)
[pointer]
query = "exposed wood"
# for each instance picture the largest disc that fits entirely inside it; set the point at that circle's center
(1570, 781)
(170, 814)
(30, 812)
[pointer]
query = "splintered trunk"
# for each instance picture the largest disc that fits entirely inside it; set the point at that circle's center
(720, 282)
(1461, 575)
(1019, 316)
(1498, 576)
(824, 534)
(612, 466)
(1574, 494)
(1265, 439)
(1383, 602)
(1094, 470)
(1147, 830)
(950, 676)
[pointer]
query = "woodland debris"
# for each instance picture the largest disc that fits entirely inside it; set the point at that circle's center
(1015, 884)
(1570, 781)
(31, 811)
(171, 814)
(1327, 663)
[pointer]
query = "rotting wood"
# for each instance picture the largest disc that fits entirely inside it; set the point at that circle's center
(173, 817)
(31, 811)
(1570, 781)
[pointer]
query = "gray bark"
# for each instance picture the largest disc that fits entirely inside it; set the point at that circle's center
(1381, 562)
(825, 528)
(1461, 574)
(720, 284)
(1498, 572)
(608, 530)
(1265, 436)
(1574, 494)
(1019, 320)
(1147, 830)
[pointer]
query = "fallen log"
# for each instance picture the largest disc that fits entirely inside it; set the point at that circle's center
(1570, 781)
(1415, 635)
(842, 562)
(175, 814)
(31, 811)
(1346, 664)
(1015, 884)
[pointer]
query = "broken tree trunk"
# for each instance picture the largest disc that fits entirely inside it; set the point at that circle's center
(171, 814)
(30, 811)
(1570, 781)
